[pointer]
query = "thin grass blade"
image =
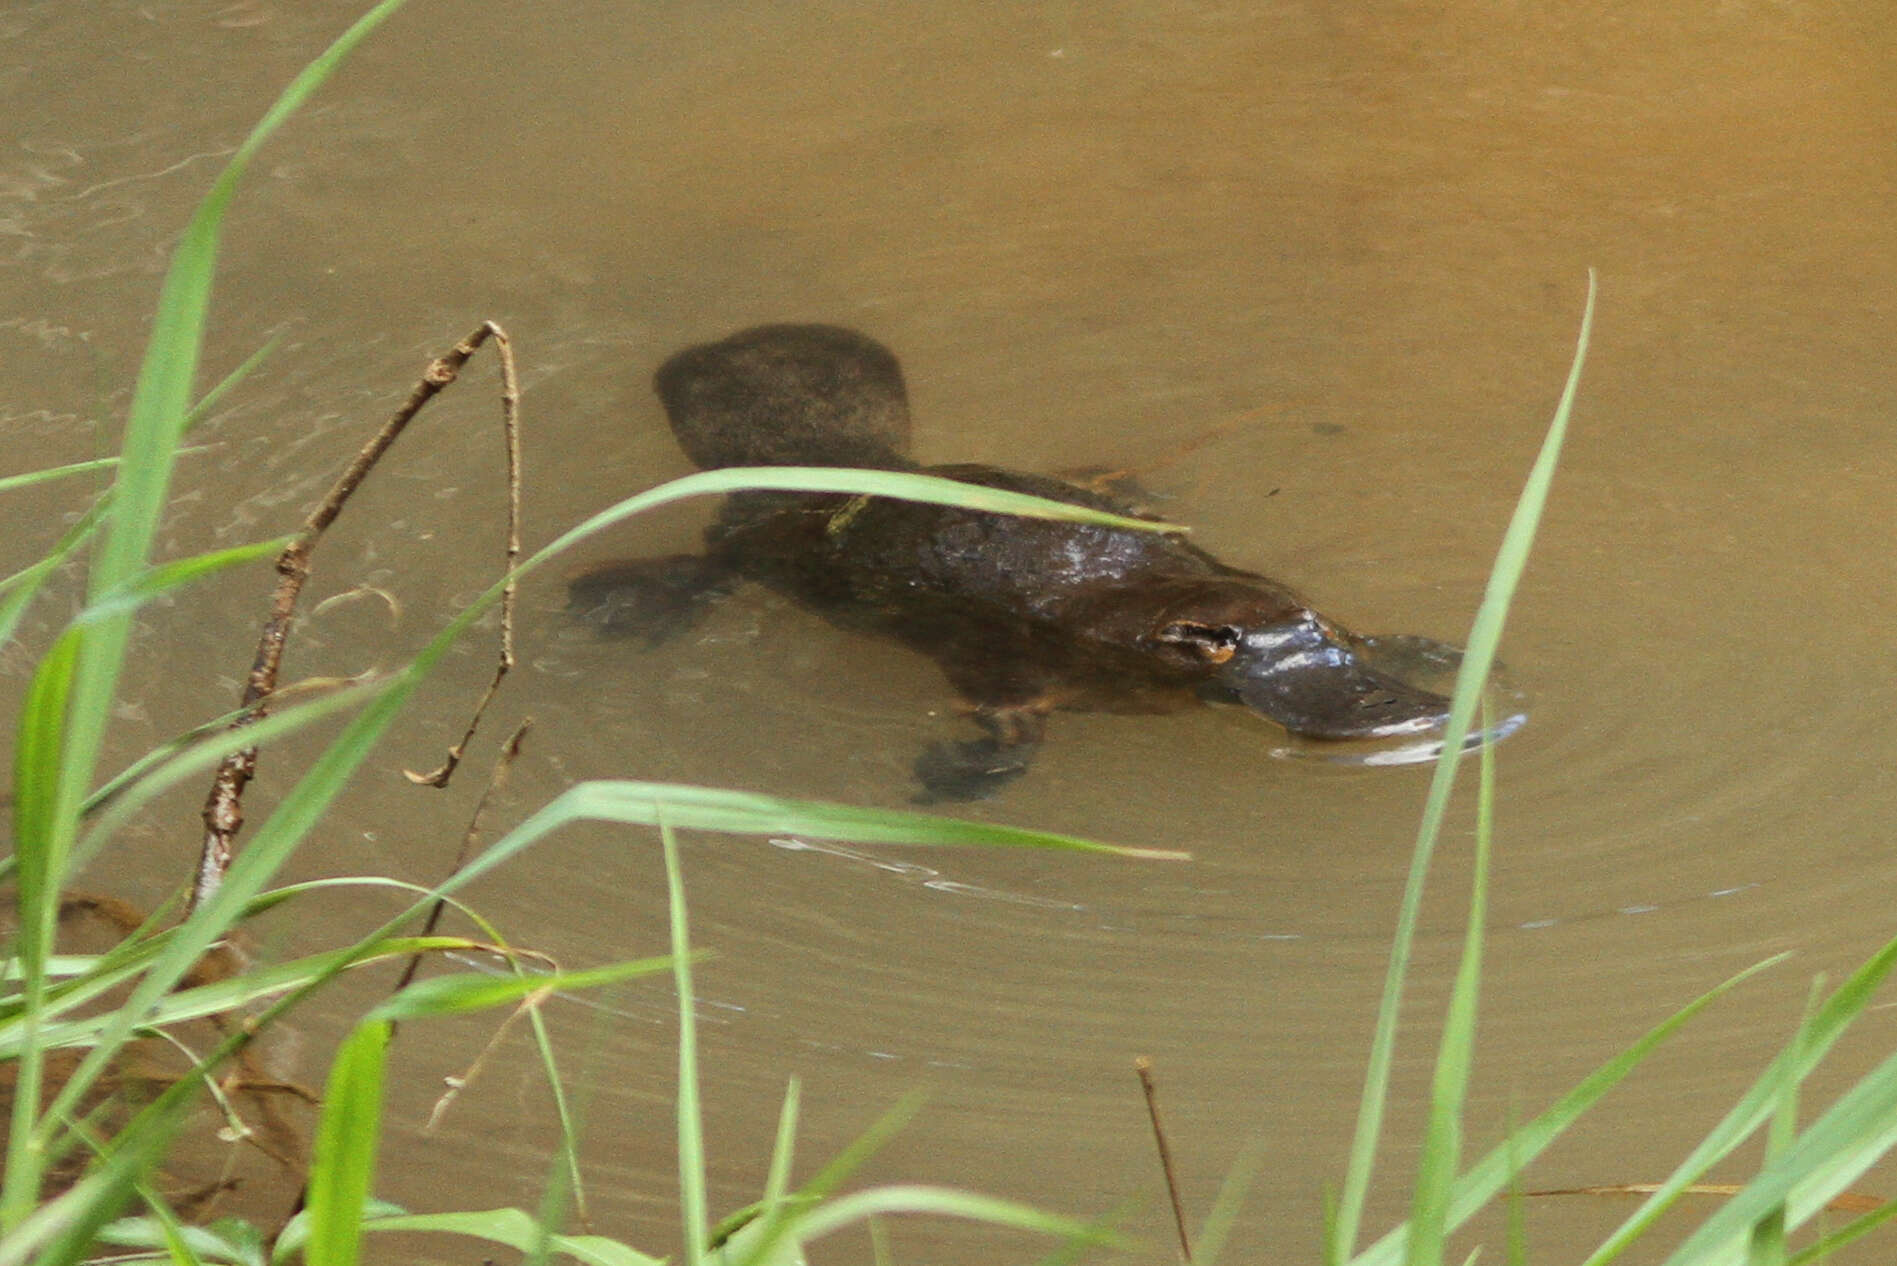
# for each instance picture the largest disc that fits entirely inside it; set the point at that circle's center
(225, 385)
(1210, 1244)
(64, 1231)
(1455, 1056)
(24, 585)
(40, 862)
(12, 483)
(342, 1171)
(849, 480)
(464, 992)
(207, 1243)
(223, 996)
(1793, 1064)
(201, 754)
(161, 402)
(834, 1215)
(762, 1243)
(1826, 1159)
(518, 1230)
(1479, 657)
(777, 1178)
(1493, 1173)
(157, 581)
(1829, 1244)
(740, 812)
(694, 1206)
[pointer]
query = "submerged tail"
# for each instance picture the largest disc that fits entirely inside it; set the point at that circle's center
(788, 395)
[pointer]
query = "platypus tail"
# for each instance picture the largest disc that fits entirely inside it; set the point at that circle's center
(788, 395)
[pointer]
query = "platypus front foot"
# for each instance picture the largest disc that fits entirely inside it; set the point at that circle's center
(978, 768)
(974, 769)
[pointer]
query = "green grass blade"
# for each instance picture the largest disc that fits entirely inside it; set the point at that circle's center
(1857, 1131)
(160, 405)
(1767, 1246)
(1212, 1237)
(464, 992)
(762, 1221)
(210, 1244)
(222, 996)
(760, 1225)
(225, 385)
(846, 479)
(1076, 1248)
(517, 1230)
(777, 1178)
(1442, 1135)
(1493, 1173)
(1755, 1107)
(758, 1243)
(161, 401)
(172, 1234)
(156, 581)
(24, 585)
(1829, 1244)
(342, 1171)
(1484, 637)
(740, 812)
(11, 483)
(833, 1216)
(695, 1209)
(64, 1231)
(40, 864)
(141, 783)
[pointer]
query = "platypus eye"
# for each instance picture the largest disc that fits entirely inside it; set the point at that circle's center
(1211, 643)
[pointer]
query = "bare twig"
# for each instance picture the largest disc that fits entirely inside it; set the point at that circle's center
(223, 808)
(1144, 1067)
(495, 782)
(510, 419)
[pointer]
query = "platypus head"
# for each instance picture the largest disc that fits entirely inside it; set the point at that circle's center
(1263, 648)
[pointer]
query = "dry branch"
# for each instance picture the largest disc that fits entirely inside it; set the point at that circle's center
(1144, 1066)
(223, 808)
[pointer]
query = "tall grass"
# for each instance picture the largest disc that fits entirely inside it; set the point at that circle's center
(1801, 1171)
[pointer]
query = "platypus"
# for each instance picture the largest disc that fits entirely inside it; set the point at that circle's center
(1023, 615)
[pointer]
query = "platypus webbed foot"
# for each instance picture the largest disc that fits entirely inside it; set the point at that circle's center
(975, 769)
(653, 599)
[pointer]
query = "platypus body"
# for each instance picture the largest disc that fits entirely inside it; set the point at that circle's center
(1023, 615)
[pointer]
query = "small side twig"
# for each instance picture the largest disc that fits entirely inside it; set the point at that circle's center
(1144, 1067)
(223, 807)
(510, 428)
(496, 780)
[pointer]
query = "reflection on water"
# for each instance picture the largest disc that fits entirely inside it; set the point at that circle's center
(915, 872)
(1348, 242)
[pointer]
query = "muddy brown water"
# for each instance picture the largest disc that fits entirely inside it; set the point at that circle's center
(1092, 232)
